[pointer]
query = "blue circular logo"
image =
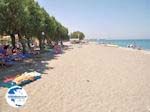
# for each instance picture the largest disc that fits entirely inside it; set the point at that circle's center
(16, 96)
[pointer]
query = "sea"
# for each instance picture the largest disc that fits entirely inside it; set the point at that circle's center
(140, 43)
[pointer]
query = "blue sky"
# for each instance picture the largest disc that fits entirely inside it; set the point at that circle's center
(103, 18)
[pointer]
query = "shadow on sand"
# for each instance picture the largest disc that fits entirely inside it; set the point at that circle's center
(38, 63)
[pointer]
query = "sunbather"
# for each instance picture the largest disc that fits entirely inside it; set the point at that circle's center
(16, 56)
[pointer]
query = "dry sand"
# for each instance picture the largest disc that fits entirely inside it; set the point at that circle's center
(91, 78)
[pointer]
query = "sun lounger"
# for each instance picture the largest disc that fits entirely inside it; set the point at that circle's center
(6, 62)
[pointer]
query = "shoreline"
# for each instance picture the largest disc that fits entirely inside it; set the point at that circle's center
(131, 49)
(147, 51)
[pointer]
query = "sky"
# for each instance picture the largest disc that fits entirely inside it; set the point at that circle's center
(110, 19)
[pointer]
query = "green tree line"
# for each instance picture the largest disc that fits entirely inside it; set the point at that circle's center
(27, 19)
(77, 35)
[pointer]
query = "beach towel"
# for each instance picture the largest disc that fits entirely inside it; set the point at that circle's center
(20, 80)
(26, 78)
(7, 85)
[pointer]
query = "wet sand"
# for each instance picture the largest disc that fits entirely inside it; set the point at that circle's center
(91, 78)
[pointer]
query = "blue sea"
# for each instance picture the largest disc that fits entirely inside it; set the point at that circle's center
(142, 43)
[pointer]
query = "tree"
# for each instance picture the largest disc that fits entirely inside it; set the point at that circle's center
(10, 17)
(78, 35)
(63, 34)
(13, 18)
(27, 19)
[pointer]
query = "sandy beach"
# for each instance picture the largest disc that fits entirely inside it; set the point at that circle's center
(90, 78)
